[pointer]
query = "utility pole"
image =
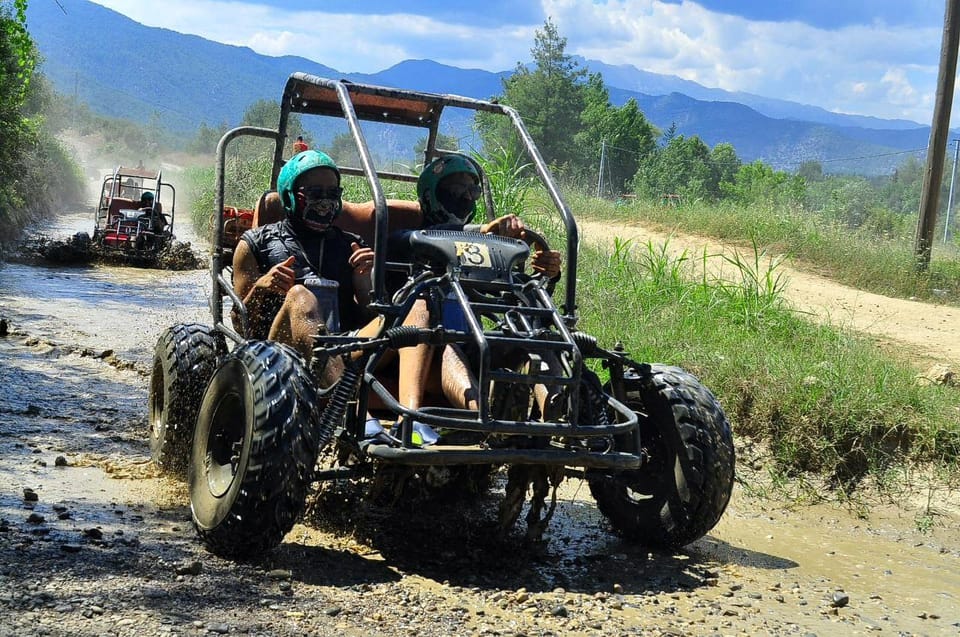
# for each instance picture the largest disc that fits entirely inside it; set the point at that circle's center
(939, 132)
(953, 179)
(603, 153)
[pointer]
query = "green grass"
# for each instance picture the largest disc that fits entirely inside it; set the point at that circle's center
(823, 400)
(875, 262)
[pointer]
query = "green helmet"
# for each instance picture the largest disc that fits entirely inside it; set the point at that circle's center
(296, 166)
(434, 212)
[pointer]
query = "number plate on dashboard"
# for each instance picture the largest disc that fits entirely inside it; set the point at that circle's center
(473, 255)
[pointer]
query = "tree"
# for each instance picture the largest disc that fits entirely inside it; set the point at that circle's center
(682, 167)
(549, 98)
(17, 59)
(902, 192)
(758, 182)
(28, 153)
(266, 114)
(207, 138)
(446, 142)
(726, 162)
(811, 170)
(343, 150)
(623, 132)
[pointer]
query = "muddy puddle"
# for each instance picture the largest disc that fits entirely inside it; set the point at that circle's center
(73, 430)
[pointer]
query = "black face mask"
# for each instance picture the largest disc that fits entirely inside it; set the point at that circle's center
(317, 208)
(460, 205)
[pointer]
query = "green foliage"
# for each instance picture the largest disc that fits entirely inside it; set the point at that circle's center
(623, 134)
(343, 150)
(822, 400)
(847, 201)
(207, 138)
(877, 256)
(726, 162)
(13, 29)
(510, 182)
(901, 193)
(757, 182)
(246, 178)
(36, 173)
(266, 114)
(446, 142)
(811, 170)
(682, 167)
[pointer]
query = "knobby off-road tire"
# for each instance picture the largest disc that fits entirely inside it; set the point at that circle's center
(254, 450)
(183, 362)
(680, 494)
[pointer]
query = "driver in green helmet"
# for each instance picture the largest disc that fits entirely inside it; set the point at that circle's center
(448, 189)
(302, 275)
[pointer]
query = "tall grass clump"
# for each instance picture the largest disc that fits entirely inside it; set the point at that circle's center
(246, 178)
(824, 400)
(876, 257)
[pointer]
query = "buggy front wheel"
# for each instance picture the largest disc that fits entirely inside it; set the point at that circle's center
(183, 362)
(683, 489)
(254, 450)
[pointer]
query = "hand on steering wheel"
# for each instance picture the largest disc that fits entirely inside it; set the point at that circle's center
(544, 261)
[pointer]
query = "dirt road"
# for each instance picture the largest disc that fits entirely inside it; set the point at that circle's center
(92, 542)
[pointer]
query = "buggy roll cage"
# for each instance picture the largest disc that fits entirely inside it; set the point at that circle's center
(112, 186)
(353, 102)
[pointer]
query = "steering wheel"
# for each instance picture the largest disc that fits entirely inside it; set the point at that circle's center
(535, 240)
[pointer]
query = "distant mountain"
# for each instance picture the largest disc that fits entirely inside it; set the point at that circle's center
(630, 78)
(124, 69)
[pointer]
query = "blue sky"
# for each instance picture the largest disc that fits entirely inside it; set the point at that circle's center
(871, 57)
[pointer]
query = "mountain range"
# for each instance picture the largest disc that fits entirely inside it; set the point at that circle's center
(122, 68)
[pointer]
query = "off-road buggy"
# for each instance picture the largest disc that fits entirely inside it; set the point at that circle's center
(128, 230)
(124, 224)
(248, 420)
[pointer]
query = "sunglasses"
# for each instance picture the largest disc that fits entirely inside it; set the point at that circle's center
(460, 191)
(320, 192)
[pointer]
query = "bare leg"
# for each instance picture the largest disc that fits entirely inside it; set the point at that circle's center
(415, 362)
(298, 321)
(458, 383)
(548, 398)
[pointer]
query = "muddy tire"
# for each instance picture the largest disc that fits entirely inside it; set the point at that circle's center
(254, 450)
(183, 362)
(681, 492)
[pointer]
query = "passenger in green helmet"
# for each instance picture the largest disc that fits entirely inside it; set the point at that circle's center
(302, 274)
(309, 188)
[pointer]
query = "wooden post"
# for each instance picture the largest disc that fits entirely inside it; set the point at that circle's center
(939, 131)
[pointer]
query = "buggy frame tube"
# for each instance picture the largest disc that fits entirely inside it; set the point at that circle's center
(216, 266)
(573, 236)
(376, 192)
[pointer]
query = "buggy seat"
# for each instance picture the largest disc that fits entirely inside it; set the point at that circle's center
(116, 205)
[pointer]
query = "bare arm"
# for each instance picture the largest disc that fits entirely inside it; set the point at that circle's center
(361, 260)
(253, 287)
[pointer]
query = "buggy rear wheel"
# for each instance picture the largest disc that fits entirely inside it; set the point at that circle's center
(183, 362)
(254, 450)
(681, 492)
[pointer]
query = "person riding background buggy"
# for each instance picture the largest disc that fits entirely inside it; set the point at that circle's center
(153, 211)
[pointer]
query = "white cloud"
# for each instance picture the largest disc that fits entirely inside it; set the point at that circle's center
(789, 60)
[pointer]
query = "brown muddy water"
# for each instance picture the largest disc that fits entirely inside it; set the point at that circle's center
(73, 432)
